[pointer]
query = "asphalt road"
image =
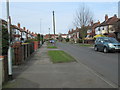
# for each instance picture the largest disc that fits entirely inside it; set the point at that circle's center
(104, 64)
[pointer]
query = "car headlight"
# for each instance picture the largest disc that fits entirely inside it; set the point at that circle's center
(111, 45)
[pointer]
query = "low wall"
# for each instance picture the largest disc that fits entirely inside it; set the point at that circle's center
(89, 41)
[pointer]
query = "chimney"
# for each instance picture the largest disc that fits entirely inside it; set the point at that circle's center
(106, 17)
(76, 28)
(18, 25)
(91, 22)
(98, 22)
(24, 28)
(115, 15)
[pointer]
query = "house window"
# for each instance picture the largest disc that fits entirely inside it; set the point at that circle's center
(103, 28)
(99, 29)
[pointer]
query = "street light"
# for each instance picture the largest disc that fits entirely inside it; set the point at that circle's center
(9, 49)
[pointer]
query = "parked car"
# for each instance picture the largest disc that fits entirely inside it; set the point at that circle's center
(106, 44)
(52, 41)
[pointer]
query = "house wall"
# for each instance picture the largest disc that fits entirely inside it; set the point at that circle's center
(111, 29)
(97, 31)
(24, 36)
(64, 36)
(78, 35)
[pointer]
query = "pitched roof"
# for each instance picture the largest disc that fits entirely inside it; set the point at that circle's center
(110, 21)
(94, 25)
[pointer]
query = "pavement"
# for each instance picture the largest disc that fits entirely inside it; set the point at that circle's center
(39, 72)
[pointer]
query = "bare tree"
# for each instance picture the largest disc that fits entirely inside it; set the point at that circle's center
(83, 18)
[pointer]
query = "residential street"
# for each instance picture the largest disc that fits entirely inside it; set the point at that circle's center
(104, 64)
(39, 72)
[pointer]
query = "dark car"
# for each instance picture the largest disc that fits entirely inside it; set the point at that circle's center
(106, 44)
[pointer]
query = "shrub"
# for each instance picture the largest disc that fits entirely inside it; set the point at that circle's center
(5, 41)
(67, 39)
(79, 40)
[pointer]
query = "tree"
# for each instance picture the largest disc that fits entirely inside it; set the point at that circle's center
(82, 19)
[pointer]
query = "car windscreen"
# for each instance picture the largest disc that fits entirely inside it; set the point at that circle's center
(111, 40)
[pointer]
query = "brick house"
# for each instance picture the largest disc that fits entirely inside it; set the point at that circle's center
(51, 36)
(73, 33)
(91, 30)
(107, 26)
(117, 29)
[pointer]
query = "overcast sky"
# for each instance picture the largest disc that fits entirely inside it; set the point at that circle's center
(30, 14)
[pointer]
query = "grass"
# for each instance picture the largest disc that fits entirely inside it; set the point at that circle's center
(58, 56)
(51, 47)
(86, 45)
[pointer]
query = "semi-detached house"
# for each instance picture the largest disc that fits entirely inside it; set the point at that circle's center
(107, 27)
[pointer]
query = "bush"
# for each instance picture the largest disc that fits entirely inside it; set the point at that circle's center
(67, 39)
(5, 43)
(79, 40)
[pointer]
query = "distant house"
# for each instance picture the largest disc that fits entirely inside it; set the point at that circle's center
(50, 36)
(73, 33)
(91, 30)
(64, 35)
(4, 23)
(107, 26)
(16, 34)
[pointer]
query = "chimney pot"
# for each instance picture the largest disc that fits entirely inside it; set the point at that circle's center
(18, 25)
(106, 17)
(24, 28)
(115, 15)
(98, 22)
(92, 22)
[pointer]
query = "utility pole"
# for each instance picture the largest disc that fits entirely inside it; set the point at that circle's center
(9, 49)
(54, 24)
(49, 33)
(40, 32)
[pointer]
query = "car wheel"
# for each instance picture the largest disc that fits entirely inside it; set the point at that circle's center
(95, 48)
(105, 50)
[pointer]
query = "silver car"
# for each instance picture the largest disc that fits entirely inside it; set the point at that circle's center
(106, 44)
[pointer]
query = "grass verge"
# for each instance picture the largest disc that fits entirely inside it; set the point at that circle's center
(58, 56)
(51, 47)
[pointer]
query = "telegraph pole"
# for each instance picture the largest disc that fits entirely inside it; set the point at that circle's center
(9, 49)
(54, 24)
(49, 33)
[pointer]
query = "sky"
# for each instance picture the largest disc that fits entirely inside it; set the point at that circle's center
(37, 16)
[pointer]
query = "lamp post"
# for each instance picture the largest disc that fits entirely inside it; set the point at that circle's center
(9, 49)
